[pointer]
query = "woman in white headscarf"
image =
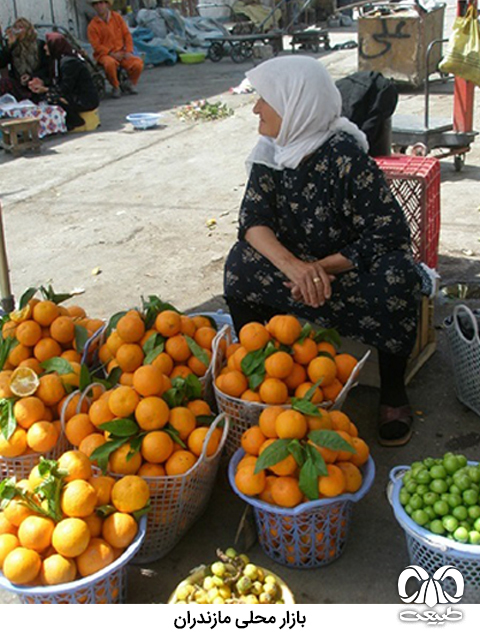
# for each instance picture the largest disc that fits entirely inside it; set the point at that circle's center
(320, 234)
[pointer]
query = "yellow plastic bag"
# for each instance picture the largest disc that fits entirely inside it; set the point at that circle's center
(462, 58)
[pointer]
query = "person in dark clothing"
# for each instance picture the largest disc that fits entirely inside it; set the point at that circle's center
(70, 85)
(320, 234)
(22, 58)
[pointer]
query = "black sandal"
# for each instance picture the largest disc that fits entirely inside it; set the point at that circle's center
(398, 435)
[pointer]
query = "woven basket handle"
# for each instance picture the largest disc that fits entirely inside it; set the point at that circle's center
(461, 308)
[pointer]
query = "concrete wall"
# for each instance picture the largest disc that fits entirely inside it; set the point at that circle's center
(71, 14)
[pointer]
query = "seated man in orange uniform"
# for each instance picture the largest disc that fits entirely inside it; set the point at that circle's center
(113, 46)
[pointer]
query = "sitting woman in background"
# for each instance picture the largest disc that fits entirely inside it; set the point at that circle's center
(70, 84)
(320, 234)
(23, 57)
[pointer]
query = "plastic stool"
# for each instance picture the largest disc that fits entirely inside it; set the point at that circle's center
(92, 121)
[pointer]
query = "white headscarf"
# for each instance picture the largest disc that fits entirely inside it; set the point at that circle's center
(304, 95)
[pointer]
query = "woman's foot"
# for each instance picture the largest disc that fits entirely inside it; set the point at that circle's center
(395, 425)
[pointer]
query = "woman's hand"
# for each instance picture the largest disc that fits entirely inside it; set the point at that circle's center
(36, 85)
(309, 283)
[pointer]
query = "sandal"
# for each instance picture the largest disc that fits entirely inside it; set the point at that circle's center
(401, 433)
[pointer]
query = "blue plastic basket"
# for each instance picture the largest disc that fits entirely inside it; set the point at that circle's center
(432, 551)
(310, 535)
(108, 586)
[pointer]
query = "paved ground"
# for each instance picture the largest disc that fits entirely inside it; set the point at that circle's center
(123, 213)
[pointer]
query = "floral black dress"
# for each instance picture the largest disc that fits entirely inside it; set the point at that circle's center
(337, 200)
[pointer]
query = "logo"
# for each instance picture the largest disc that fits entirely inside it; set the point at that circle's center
(431, 591)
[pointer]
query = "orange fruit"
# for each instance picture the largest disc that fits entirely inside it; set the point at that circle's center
(252, 439)
(183, 420)
(124, 460)
(279, 365)
(273, 391)
(57, 570)
(285, 467)
(344, 455)
(78, 428)
(345, 365)
(332, 390)
(353, 476)
(164, 363)
(28, 410)
(77, 465)
(297, 376)
(76, 311)
(148, 380)
(234, 383)
(266, 494)
(322, 368)
(150, 470)
(28, 333)
(187, 326)
(340, 421)
(197, 438)
(62, 330)
(8, 542)
(45, 312)
(250, 396)
(332, 484)
(286, 329)
(42, 436)
(18, 354)
(234, 361)
(177, 348)
(322, 421)
(286, 492)
(168, 323)
(114, 342)
(253, 336)
(197, 366)
(199, 407)
(180, 462)
(71, 537)
(268, 419)
(15, 446)
(119, 530)
(90, 443)
(16, 512)
(180, 371)
(50, 390)
(100, 412)
(204, 337)
(129, 357)
(291, 424)
(152, 413)
(326, 347)
(131, 327)
(97, 556)
(362, 452)
(304, 352)
(156, 447)
(6, 526)
(249, 482)
(78, 499)
(130, 494)
(22, 566)
(123, 401)
(35, 532)
(329, 455)
(103, 486)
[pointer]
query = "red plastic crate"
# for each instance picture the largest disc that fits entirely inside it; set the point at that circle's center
(415, 182)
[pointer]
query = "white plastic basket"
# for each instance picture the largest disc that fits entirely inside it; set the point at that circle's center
(108, 586)
(464, 346)
(432, 551)
(178, 501)
(244, 414)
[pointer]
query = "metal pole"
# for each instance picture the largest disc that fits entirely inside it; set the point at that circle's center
(7, 301)
(52, 13)
(463, 91)
(15, 11)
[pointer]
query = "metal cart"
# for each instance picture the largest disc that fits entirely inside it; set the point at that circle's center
(442, 136)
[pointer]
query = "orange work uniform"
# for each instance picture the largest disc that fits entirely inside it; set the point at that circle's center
(113, 37)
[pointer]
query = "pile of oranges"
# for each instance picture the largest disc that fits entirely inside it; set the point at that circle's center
(273, 362)
(163, 440)
(89, 525)
(277, 476)
(33, 384)
(176, 344)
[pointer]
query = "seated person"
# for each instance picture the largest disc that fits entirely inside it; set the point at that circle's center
(70, 84)
(113, 47)
(320, 234)
(23, 57)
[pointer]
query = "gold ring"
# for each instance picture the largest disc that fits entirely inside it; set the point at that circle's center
(316, 279)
